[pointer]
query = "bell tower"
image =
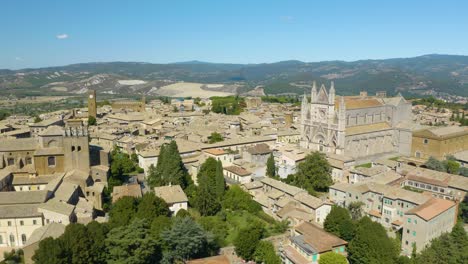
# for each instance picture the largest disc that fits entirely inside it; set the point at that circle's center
(76, 146)
(92, 110)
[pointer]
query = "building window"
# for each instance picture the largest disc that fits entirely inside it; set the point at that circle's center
(1, 239)
(73, 148)
(418, 154)
(406, 242)
(21, 222)
(79, 148)
(12, 239)
(409, 220)
(34, 222)
(23, 238)
(414, 233)
(10, 161)
(9, 223)
(28, 160)
(426, 141)
(51, 161)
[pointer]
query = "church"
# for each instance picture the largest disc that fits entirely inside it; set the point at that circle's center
(362, 127)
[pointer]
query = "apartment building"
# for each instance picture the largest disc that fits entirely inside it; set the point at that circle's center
(426, 222)
(308, 242)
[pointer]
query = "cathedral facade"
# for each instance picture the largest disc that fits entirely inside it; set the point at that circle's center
(360, 127)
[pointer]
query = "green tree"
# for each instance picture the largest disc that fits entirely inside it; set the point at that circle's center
(134, 158)
(337, 221)
(219, 181)
(247, 240)
(185, 240)
(434, 164)
(98, 232)
(332, 258)
(265, 253)
(371, 244)
(237, 199)
(121, 165)
(158, 225)
(183, 213)
(151, 206)
(169, 169)
(207, 201)
(215, 137)
(216, 226)
(77, 243)
(91, 121)
(132, 244)
(50, 251)
(13, 257)
(123, 211)
(271, 167)
(453, 166)
(314, 174)
(355, 208)
(347, 230)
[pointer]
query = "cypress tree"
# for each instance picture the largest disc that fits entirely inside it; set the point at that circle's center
(170, 168)
(271, 167)
(207, 201)
(219, 179)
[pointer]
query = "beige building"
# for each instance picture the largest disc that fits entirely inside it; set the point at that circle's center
(438, 142)
(357, 126)
(236, 174)
(308, 242)
(42, 180)
(174, 197)
(427, 222)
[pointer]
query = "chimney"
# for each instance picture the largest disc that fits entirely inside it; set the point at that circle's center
(381, 94)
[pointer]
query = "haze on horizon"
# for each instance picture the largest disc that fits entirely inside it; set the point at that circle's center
(53, 33)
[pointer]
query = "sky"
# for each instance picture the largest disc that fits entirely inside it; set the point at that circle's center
(50, 33)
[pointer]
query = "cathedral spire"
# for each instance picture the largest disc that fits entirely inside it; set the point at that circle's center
(313, 93)
(331, 96)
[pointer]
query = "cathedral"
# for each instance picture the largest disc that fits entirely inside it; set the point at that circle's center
(361, 127)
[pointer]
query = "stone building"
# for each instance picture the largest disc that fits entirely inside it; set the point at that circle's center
(136, 106)
(439, 142)
(92, 108)
(427, 222)
(357, 126)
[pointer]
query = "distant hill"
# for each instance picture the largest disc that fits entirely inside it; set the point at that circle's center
(423, 75)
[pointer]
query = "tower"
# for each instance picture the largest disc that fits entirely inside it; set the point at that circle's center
(76, 146)
(92, 111)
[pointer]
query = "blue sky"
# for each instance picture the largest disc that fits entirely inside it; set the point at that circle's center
(46, 33)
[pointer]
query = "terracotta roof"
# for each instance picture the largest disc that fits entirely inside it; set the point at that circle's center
(293, 255)
(259, 149)
(431, 208)
(441, 132)
(215, 151)
(20, 144)
(375, 213)
(309, 200)
(354, 130)
(132, 190)
(171, 194)
(292, 190)
(238, 170)
(353, 102)
(318, 238)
